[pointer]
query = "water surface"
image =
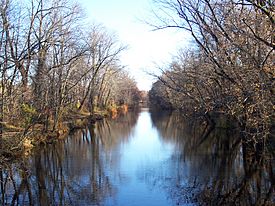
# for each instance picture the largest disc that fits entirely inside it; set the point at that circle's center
(141, 158)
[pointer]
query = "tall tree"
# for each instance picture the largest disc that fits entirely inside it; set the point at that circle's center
(234, 72)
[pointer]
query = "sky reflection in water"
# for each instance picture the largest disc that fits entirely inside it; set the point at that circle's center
(141, 158)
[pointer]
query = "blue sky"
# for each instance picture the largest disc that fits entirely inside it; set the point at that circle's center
(147, 48)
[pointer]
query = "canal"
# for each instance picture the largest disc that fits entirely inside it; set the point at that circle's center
(142, 158)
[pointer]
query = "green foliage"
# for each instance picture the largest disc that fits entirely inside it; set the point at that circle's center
(28, 113)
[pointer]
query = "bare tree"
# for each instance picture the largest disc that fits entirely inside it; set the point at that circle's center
(234, 72)
(103, 52)
(52, 64)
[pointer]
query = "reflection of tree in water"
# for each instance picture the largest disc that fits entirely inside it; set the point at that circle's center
(111, 133)
(64, 174)
(213, 169)
(72, 172)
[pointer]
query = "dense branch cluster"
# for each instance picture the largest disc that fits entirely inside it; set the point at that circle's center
(50, 63)
(230, 70)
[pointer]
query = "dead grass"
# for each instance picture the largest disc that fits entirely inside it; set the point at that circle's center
(10, 127)
(15, 144)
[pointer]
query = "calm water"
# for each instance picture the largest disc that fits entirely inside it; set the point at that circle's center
(142, 158)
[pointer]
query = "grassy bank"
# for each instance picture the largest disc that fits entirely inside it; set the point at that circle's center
(18, 142)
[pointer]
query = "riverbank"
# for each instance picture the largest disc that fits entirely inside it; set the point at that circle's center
(17, 142)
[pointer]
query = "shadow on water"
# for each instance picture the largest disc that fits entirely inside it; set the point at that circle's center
(213, 169)
(200, 166)
(71, 172)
